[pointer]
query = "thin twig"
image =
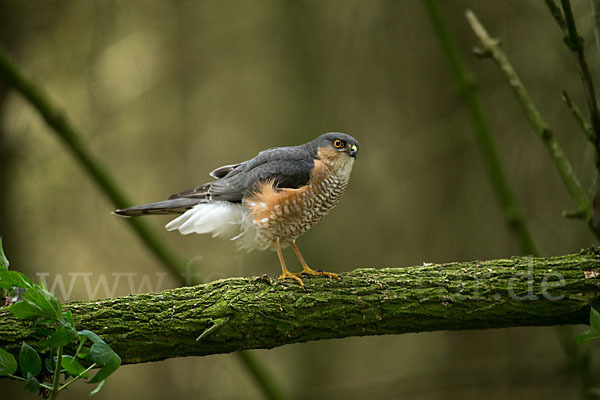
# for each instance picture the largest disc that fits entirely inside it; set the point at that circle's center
(490, 47)
(481, 128)
(557, 14)
(575, 44)
(596, 11)
(79, 375)
(587, 128)
(72, 139)
(20, 378)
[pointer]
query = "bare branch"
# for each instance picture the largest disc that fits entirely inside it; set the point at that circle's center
(512, 212)
(587, 128)
(541, 128)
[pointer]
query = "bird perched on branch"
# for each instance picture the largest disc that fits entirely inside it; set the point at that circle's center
(268, 201)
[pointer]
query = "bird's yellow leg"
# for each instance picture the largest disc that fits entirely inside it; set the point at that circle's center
(285, 273)
(308, 270)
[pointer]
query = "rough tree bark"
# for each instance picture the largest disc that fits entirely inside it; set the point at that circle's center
(261, 313)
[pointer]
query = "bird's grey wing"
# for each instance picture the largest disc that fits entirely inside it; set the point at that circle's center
(289, 167)
(263, 156)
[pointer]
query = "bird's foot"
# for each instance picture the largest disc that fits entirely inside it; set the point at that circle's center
(289, 275)
(309, 271)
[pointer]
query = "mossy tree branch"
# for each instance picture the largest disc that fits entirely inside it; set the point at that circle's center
(253, 313)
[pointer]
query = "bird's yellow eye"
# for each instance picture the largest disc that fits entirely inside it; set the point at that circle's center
(338, 144)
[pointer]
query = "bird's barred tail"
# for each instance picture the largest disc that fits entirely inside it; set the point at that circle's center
(174, 206)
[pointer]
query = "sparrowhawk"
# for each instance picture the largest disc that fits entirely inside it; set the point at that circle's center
(268, 201)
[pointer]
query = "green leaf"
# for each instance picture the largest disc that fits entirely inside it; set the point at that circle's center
(83, 352)
(90, 335)
(3, 260)
(8, 279)
(98, 388)
(593, 333)
(45, 300)
(44, 331)
(73, 366)
(37, 302)
(8, 364)
(63, 336)
(29, 360)
(25, 310)
(586, 336)
(111, 366)
(68, 316)
(595, 320)
(101, 353)
(32, 384)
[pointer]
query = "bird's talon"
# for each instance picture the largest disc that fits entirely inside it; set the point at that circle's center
(292, 276)
(320, 272)
(331, 275)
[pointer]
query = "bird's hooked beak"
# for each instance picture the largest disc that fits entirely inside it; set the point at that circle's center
(353, 150)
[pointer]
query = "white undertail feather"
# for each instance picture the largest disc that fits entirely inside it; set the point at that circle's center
(221, 218)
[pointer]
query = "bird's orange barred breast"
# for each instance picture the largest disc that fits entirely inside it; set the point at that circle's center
(287, 213)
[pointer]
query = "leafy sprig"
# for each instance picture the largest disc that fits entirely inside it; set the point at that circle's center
(27, 300)
(594, 331)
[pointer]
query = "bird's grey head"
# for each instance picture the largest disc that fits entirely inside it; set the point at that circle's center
(338, 141)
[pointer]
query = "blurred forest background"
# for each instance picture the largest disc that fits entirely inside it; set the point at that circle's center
(166, 91)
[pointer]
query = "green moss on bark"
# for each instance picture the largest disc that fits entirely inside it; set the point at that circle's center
(252, 313)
